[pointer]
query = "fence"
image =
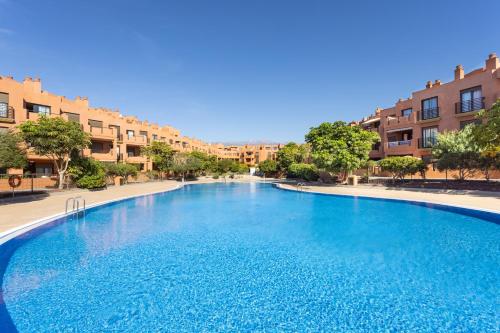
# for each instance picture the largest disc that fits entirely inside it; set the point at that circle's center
(29, 183)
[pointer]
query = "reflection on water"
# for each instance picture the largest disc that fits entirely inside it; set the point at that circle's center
(248, 257)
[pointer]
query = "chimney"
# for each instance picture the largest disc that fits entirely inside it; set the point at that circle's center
(459, 72)
(429, 84)
(437, 83)
(492, 61)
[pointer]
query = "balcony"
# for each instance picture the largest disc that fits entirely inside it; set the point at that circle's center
(427, 143)
(428, 114)
(7, 115)
(102, 133)
(392, 144)
(471, 105)
(402, 147)
(139, 140)
(104, 156)
(132, 158)
(396, 122)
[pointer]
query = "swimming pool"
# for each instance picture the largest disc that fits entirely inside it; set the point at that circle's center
(250, 257)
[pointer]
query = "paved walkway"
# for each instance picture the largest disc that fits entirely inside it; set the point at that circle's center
(470, 199)
(26, 210)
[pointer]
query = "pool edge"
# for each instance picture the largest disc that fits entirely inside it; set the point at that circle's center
(481, 213)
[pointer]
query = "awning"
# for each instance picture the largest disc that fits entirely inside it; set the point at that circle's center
(374, 120)
(399, 129)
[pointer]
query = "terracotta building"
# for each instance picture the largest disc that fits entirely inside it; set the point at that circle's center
(410, 127)
(115, 138)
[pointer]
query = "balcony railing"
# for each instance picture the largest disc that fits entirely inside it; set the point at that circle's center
(392, 144)
(424, 143)
(428, 114)
(7, 114)
(469, 105)
(102, 131)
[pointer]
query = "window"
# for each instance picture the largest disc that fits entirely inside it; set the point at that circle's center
(468, 122)
(95, 123)
(130, 134)
(430, 108)
(144, 134)
(155, 137)
(131, 152)
(429, 136)
(36, 108)
(44, 169)
(73, 117)
(97, 147)
(406, 112)
(471, 100)
(4, 107)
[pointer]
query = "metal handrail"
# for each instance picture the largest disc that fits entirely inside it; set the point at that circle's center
(75, 209)
(300, 186)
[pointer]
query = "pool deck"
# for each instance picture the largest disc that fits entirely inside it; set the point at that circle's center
(488, 201)
(22, 211)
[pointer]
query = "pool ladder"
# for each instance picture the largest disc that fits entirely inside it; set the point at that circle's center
(75, 209)
(300, 186)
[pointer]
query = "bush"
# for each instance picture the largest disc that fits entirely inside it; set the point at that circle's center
(268, 167)
(87, 172)
(92, 181)
(123, 170)
(400, 166)
(304, 171)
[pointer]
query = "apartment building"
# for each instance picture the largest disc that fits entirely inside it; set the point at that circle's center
(114, 137)
(410, 127)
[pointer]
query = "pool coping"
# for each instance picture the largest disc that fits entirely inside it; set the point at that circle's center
(19, 230)
(488, 215)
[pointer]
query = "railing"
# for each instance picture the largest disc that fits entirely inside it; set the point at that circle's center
(469, 105)
(398, 120)
(75, 209)
(427, 142)
(391, 144)
(102, 131)
(7, 115)
(428, 114)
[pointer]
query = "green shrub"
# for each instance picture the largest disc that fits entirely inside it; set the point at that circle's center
(400, 166)
(268, 167)
(123, 170)
(92, 181)
(216, 176)
(304, 171)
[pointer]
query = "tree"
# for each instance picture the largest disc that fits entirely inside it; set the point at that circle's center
(305, 171)
(185, 163)
(268, 167)
(339, 147)
(487, 134)
(56, 139)
(457, 150)
(291, 153)
(12, 155)
(123, 170)
(208, 162)
(161, 154)
(400, 166)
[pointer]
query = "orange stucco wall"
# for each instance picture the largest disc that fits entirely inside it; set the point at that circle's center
(393, 127)
(108, 128)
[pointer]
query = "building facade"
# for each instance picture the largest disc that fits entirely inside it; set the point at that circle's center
(114, 138)
(410, 127)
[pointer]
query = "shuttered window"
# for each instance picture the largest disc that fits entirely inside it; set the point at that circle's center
(73, 117)
(95, 123)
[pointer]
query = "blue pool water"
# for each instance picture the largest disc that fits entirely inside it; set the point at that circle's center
(250, 257)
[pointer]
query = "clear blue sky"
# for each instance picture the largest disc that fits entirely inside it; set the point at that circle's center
(243, 70)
